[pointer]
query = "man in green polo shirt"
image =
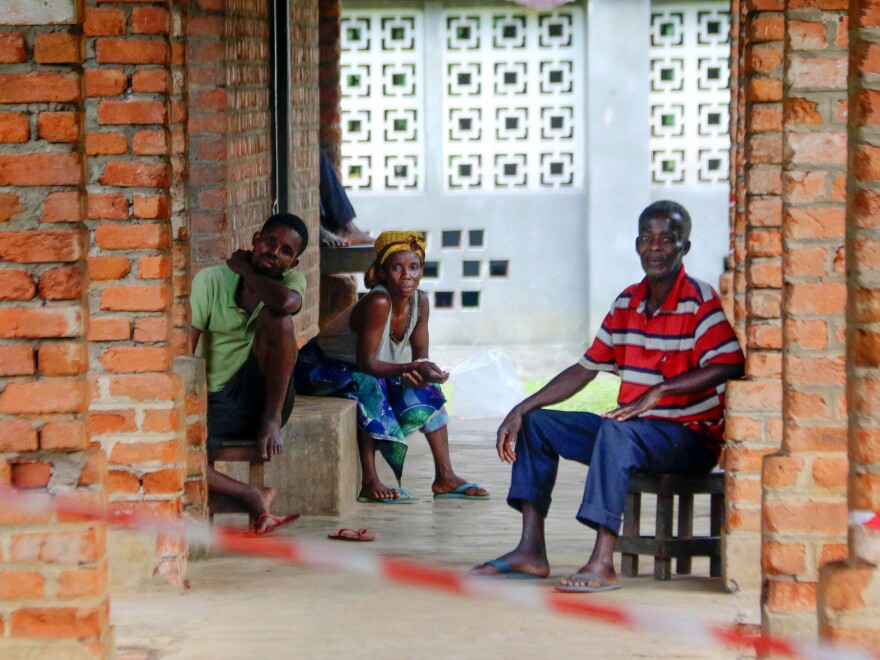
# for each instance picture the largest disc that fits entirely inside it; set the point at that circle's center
(243, 314)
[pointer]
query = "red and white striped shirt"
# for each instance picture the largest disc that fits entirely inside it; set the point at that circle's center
(687, 332)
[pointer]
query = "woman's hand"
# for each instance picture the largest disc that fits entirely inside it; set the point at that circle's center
(429, 371)
(412, 379)
(507, 433)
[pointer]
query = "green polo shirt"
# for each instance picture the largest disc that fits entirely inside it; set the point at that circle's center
(227, 330)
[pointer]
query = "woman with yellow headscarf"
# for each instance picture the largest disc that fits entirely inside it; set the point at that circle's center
(376, 353)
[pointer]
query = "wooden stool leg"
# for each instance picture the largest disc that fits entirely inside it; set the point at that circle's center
(255, 474)
(716, 520)
(255, 478)
(663, 531)
(685, 530)
(632, 516)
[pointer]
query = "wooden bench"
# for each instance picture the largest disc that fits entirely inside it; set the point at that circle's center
(663, 546)
(236, 451)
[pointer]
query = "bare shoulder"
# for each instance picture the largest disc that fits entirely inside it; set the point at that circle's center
(373, 307)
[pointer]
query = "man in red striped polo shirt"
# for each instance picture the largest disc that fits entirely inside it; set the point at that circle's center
(670, 343)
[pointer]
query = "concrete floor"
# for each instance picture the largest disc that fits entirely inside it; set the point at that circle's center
(244, 608)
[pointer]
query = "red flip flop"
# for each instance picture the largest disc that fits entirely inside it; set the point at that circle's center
(346, 534)
(279, 522)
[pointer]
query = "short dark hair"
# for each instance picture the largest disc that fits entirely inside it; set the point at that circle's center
(290, 221)
(668, 208)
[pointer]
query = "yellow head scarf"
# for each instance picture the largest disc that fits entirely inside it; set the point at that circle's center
(387, 244)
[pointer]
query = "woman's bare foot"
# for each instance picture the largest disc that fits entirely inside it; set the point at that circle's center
(376, 490)
(329, 239)
(522, 562)
(354, 234)
(441, 486)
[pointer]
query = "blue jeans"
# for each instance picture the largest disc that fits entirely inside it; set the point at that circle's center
(613, 450)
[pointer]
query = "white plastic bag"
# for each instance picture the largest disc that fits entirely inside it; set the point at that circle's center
(485, 385)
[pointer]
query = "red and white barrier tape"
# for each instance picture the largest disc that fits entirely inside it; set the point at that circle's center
(402, 571)
(865, 519)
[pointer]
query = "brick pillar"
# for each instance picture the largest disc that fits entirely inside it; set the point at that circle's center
(53, 584)
(732, 284)
(229, 131)
(849, 590)
(754, 422)
(305, 128)
(136, 413)
(804, 485)
(328, 76)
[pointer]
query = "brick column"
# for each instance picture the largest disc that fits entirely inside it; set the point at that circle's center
(849, 590)
(754, 422)
(732, 285)
(305, 120)
(53, 584)
(804, 485)
(136, 411)
(328, 75)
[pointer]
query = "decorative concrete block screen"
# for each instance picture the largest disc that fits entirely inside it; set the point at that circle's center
(690, 47)
(381, 75)
(510, 102)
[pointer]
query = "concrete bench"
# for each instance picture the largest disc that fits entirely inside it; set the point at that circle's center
(663, 546)
(318, 473)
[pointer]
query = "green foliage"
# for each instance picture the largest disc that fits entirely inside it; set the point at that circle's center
(597, 397)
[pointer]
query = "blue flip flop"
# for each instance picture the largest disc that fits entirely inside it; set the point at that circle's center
(459, 494)
(507, 572)
(405, 498)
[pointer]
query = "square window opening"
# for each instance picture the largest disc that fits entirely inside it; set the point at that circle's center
(476, 238)
(451, 238)
(431, 269)
(498, 268)
(443, 299)
(470, 268)
(470, 299)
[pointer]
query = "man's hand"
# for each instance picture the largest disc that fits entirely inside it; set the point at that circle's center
(641, 404)
(507, 432)
(240, 261)
(270, 440)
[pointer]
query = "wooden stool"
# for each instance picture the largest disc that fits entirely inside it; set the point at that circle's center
(663, 545)
(231, 451)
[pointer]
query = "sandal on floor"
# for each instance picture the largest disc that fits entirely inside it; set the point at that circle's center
(346, 534)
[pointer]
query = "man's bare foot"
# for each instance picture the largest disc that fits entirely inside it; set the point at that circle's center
(329, 239)
(441, 486)
(591, 575)
(354, 234)
(259, 502)
(521, 562)
(376, 490)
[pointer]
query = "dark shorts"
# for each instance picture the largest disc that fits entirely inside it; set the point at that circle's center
(234, 412)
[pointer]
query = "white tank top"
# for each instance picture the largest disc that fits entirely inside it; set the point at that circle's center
(339, 341)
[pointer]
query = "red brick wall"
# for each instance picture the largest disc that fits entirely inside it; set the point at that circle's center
(136, 412)
(754, 422)
(849, 601)
(305, 124)
(230, 131)
(331, 92)
(804, 486)
(53, 581)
